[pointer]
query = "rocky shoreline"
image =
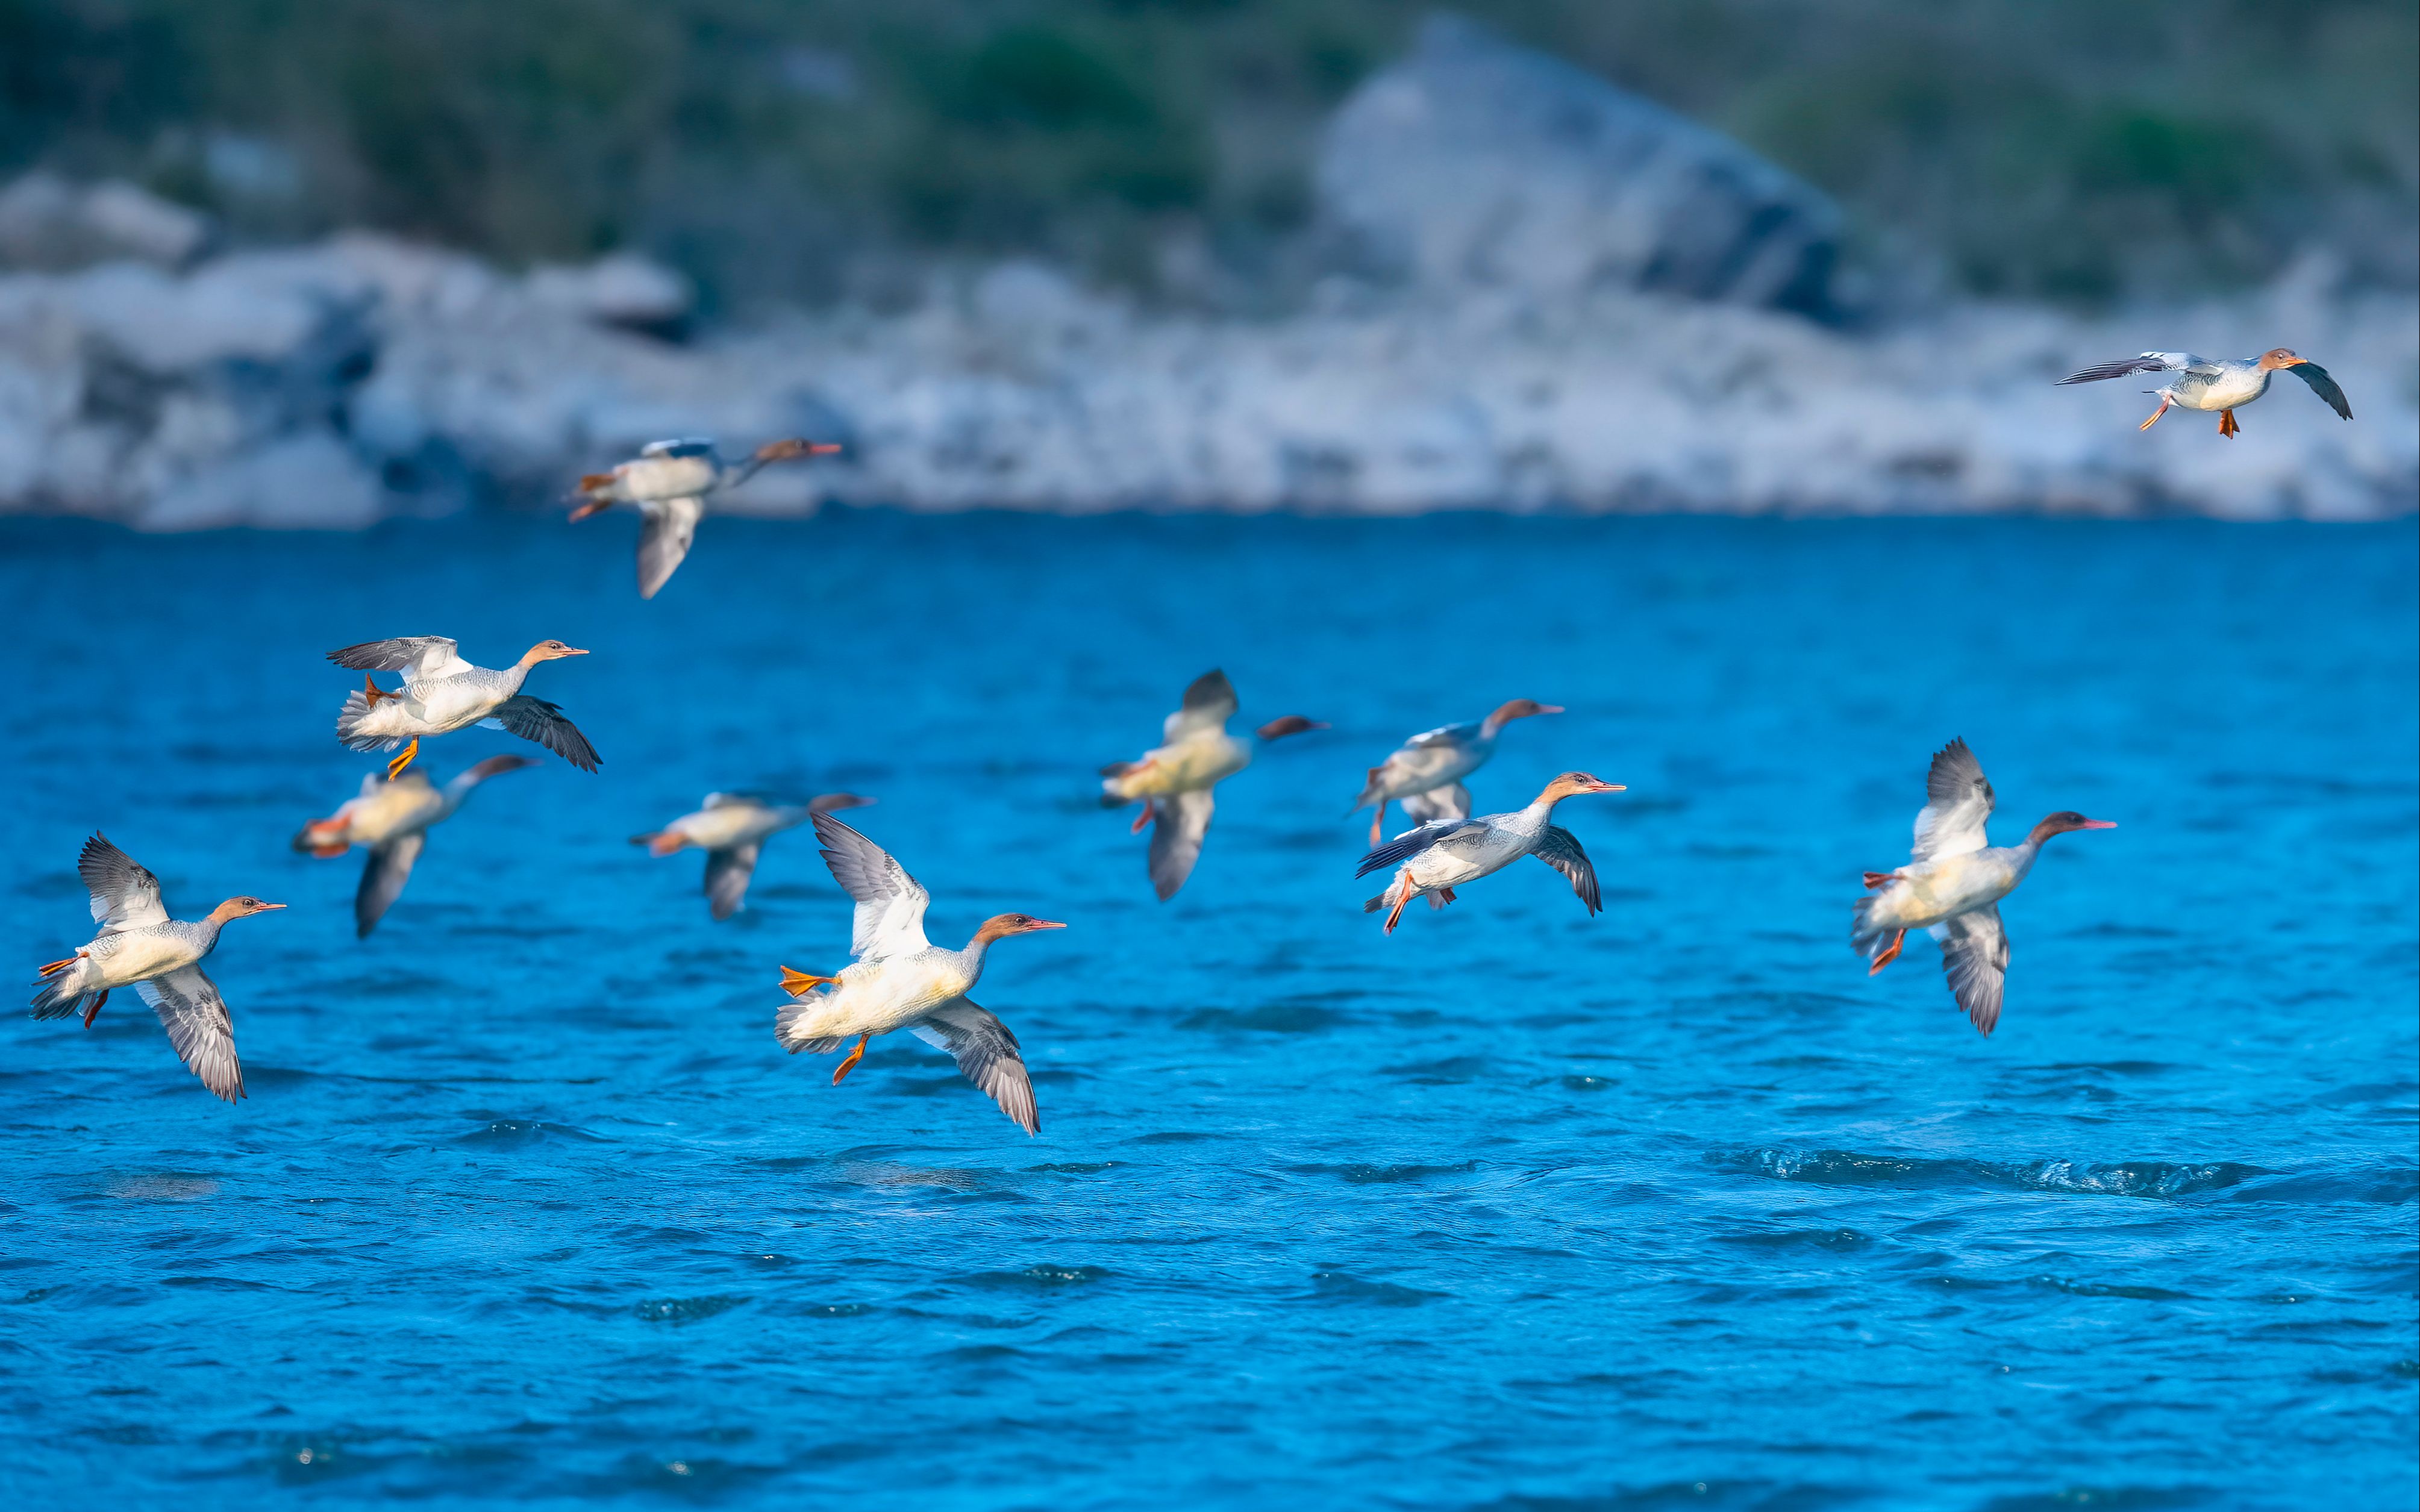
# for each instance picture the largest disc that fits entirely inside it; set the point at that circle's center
(1540, 293)
(334, 385)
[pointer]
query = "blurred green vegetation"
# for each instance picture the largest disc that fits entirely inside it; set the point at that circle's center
(2069, 148)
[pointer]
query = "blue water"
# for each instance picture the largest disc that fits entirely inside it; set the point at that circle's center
(1669, 1207)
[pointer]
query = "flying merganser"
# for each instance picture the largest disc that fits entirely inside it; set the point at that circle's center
(901, 981)
(2224, 386)
(1435, 858)
(391, 817)
(668, 481)
(732, 829)
(1175, 779)
(1953, 886)
(442, 693)
(139, 946)
(1439, 759)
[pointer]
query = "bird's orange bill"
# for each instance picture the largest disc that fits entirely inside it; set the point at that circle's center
(854, 1057)
(799, 983)
(1890, 952)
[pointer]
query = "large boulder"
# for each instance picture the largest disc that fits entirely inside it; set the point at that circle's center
(1475, 161)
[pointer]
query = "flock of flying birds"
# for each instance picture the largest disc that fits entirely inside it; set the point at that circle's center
(899, 979)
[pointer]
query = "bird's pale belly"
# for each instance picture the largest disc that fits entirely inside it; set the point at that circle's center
(1948, 888)
(131, 956)
(891, 997)
(1405, 776)
(1186, 768)
(447, 708)
(723, 829)
(2225, 394)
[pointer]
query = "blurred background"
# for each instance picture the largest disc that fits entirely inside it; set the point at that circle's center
(694, 172)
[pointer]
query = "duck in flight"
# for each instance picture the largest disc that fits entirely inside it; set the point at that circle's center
(732, 829)
(1425, 773)
(902, 981)
(1953, 885)
(139, 946)
(2224, 386)
(391, 818)
(442, 693)
(1437, 857)
(1173, 779)
(667, 482)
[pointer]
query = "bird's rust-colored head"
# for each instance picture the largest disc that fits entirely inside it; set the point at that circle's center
(1577, 784)
(2278, 358)
(2064, 821)
(1520, 709)
(1000, 926)
(549, 651)
(1287, 724)
(792, 447)
(240, 909)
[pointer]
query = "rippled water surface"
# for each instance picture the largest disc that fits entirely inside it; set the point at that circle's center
(1520, 1208)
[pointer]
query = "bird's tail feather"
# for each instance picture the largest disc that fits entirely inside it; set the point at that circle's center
(62, 995)
(1865, 935)
(356, 714)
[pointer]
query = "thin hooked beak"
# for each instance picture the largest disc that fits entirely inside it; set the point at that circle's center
(266, 907)
(2097, 824)
(1550, 708)
(1612, 787)
(1033, 924)
(571, 650)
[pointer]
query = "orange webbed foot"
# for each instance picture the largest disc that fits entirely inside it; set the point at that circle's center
(94, 1011)
(1890, 952)
(799, 983)
(403, 758)
(854, 1057)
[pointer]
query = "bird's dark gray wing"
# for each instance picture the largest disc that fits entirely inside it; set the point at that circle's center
(1975, 956)
(664, 539)
(889, 917)
(2140, 362)
(536, 720)
(2322, 385)
(1209, 703)
(419, 655)
(384, 874)
(1560, 849)
(726, 877)
(1957, 799)
(197, 1020)
(1410, 843)
(686, 446)
(125, 895)
(986, 1055)
(1179, 822)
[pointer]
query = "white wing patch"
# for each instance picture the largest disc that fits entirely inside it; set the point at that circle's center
(891, 904)
(1960, 800)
